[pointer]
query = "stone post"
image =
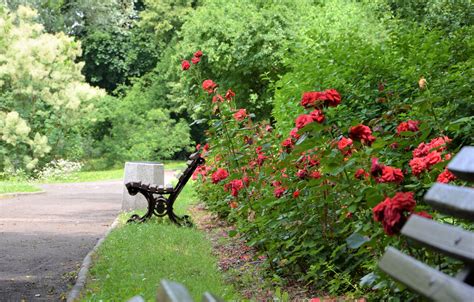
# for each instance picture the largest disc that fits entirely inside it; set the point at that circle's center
(146, 172)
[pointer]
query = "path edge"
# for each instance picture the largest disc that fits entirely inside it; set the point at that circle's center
(75, 292)
(15, 194)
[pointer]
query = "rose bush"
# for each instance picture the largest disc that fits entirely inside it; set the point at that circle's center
(322, 201)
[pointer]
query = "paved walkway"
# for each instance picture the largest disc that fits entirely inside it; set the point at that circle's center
(45, 237)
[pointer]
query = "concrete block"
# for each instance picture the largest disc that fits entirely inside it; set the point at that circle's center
(146, 172)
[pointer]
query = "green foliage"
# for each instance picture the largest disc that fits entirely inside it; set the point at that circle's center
(384, 58)
(132, 128)
(44, 102)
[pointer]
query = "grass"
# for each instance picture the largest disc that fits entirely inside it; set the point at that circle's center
(17, 186)
(135, 257)
(85, 176)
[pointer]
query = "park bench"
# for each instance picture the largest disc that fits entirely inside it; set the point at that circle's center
(447, 239)
(161, 199)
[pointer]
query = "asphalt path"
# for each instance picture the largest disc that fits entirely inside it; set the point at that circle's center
(45, 237)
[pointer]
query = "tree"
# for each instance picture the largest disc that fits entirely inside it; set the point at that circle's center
(44, 101)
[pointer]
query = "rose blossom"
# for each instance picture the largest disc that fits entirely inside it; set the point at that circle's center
(198, 54)
(390, 174)
(343, 144)
(362, 133)
(185, 65)
(219, 175)
(333, 98)
(303, 120)
(317, 116)
(209, 86)
(376, 168)
(195, 60)
(240, 115)
(445, 177)
(408, 126)
(360, 174)
(229, 94)
(296, 194)
(294, 133)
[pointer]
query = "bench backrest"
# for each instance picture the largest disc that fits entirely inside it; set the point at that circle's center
(450, 240)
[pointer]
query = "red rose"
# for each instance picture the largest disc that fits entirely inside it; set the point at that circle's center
(343, 144)
(317, 116)
(294, 133)
(288, 144)
(315, 175)
(393, 220)
(205, 148)
(301, 173)
(198, 54)
(219, 175)
(235, 186)
(417, 165)
(376, 168)
(229, 94)
(217, 98)
(209, 86)
(361, 133)
(303, 120)
(240, 115)
(309, 99)
(261, 158)
(445, 177)
(408, 126)
(390, 174)
(379, 209)
(296, 194)
(195, 60)
(278, 192)
(333, 98)
(185, 65)
(360, 174)
(404, 201)
(433, 158)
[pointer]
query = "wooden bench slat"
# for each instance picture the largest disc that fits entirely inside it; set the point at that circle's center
(450, 240)
(189, 162)
(456, 201)
(462, 165)
(424, 279)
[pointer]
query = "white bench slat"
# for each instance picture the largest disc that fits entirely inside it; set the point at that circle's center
(462, 165)
(450, 240)
(424, 279)
(456, 201)
(170, 291)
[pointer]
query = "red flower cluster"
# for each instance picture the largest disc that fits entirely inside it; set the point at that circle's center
(391, 212)
(260, 156)
(427, 155)
(303, 120)
(219, 175)
(362, 133)
(446, 177)
(344, 145)
(240, 115)
(234, 186)
(408, 126)
(209, 86)
(384, 173)
(201, 170)
(329, 97)
(196, 58)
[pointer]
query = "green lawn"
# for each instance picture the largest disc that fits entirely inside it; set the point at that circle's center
(17, 186)
(85, 176)
(135, 257)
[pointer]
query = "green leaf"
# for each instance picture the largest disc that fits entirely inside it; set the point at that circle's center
(232, 233)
